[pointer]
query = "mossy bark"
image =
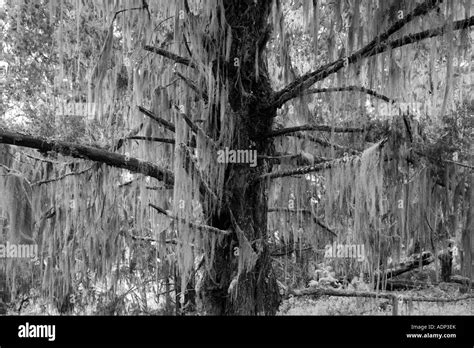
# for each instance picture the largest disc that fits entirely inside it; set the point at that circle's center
(245, 199)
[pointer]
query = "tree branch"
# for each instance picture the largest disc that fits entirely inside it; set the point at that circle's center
(133, 132)
(308, 127)
(195, 128)
(168, 125)
(303, 136)
(204, 185)
(193, 225)
(160, 140)
(350, 88)
(37, 183)
(436, 160)
(164, 187)
(89, 153)
(302, 83)
(169, 55)
(42, 159)
(304, 211)
(193, 86)
(129, 9)
(307, 169)
(317, 167)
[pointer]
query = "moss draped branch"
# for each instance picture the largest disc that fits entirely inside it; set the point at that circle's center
(294, 89)
(321, 128)
(308, 169)
(302, 83)
(88, 153)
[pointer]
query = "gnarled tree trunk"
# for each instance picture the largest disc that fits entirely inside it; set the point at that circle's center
(257, 290)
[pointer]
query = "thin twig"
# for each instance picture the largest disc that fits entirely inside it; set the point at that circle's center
(127, 9)
(193, 86)
(37, 183)
(195, 128)
(168, 125)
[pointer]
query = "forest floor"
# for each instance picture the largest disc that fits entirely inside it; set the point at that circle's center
(431, 287)
(330, 305)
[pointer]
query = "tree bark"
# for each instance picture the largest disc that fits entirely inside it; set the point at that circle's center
(246, 203)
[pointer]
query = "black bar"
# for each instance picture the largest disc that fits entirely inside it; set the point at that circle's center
(197, 330)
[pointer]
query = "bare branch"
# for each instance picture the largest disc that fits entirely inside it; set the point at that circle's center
(304, 82)
(88, 153)
(168, 125)
(129, 9)
(169, 55)
(8, 169)
(42, 159)
(37, 183)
